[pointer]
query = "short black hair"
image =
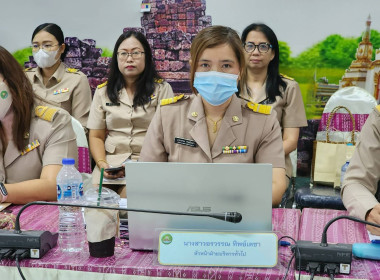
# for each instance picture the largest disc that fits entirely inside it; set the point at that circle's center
(54, 30)
(145, 84)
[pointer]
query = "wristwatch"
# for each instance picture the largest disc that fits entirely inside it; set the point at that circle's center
(3, 192)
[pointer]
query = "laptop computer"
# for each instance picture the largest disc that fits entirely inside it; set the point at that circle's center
(196, 187)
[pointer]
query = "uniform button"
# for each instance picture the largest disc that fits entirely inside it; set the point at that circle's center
(194, 114)
(235, 118)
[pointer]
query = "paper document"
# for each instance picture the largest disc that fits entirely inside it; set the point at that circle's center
(4, 205)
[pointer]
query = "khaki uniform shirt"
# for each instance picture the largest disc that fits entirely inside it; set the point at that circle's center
(56, 141)
(290, 109)
(240, 126)
(363, 173)
(68, 89)
(126, 125)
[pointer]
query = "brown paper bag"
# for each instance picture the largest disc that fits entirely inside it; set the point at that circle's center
(329, 157)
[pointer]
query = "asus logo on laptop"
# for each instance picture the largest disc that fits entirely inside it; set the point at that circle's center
(199, 209)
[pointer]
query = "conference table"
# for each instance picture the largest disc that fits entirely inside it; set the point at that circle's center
(130, 264)
(341, 231)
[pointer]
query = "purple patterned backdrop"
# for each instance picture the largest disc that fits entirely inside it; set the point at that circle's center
(83, 55)
(170, 28)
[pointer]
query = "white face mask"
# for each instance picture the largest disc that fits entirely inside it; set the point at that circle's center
(45, 59)
(5, 100)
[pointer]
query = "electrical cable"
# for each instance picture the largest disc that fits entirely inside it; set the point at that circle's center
(285, 243)
(19, 268)
(312, 267)
(324, 233)
(20, 254)
(331, 270)
(286, 236)
(3, 252)
(288, 267)
(299, 263)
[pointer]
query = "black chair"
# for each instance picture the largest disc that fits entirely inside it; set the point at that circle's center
(316, 196)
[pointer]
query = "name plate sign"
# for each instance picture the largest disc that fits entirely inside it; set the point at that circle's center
(237, 249)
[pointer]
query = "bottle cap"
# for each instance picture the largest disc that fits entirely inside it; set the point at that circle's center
(68, 161)
(349, 152)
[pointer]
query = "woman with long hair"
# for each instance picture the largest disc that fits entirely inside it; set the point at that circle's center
(123, 107)
(34, 139)
(264, 84)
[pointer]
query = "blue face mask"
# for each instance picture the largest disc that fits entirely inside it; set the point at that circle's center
(215, 87)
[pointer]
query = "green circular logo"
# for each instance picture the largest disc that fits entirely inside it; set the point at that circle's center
(4, 94)
(166, 239)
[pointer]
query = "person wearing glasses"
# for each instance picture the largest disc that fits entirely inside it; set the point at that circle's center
(214, 125)
(52, 80)
(123, 107)
(264, 84)
(33, 139)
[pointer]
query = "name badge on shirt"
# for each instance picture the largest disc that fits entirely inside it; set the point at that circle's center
(112, 104)
(186, 142)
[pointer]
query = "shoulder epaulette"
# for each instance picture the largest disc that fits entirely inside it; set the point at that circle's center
(159, 81)
(286, 77)
(378, 108)
(102, 85)
(72, 70)
(260, 108)
(171, 100)
(46, 113)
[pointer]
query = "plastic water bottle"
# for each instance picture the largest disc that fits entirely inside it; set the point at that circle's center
(71, 224)
(343, 172)
(345, 166)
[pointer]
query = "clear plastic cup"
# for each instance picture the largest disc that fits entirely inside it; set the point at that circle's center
(102, 225)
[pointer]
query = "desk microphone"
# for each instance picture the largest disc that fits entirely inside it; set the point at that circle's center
(35, 244)
(233, 217)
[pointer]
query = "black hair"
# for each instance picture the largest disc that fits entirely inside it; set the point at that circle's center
(274, 80)
(145, 84)
(54, 30)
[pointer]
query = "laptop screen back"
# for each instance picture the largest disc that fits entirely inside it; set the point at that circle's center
(196, 187)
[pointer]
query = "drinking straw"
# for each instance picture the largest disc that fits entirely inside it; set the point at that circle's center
(100, 186)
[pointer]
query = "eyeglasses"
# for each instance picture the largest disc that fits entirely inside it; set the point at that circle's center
(134, 55)
(45, 47)
(262, 47)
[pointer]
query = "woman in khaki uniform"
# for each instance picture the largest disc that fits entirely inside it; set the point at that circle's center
(264, 85)
(215, 125)
(33, 139)
(124, 106)
(52, 80)
(361, 181)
